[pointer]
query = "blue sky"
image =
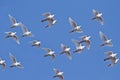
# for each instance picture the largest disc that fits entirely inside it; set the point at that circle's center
(88, 65)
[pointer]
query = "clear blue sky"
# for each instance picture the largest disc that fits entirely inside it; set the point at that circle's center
(88, 65)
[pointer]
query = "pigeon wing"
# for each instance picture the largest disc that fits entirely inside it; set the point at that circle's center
(3, 65)
(72, 22)
(95, 12)
(12, 19)
(47, 49)
(24, 28)
(12, 58)
(63, 46)
(46, 14)
(56, 70)
(109, 53)
(88, 44)
(69, 55)
(102, 36)
(16, 39)
(100, 19)
(76, 42)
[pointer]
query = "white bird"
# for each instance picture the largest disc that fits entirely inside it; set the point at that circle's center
(66, 50)
(59, 74)
(76, 28)
(106, 41)
(14, 22)
(13, 35)
(79, 46)
(98, 16)
(86, 39)
(26, 32)
(36, 43)
(2, 63)
(113, 57)
(49, 53)
(15, 62)
(50, 18)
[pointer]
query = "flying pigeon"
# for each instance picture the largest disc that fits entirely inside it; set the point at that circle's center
(15, 62)
(79, 46)
(113, 57)
(50, 18)
(36, 43)
(13, 35)
(76, 28)
(66, 51)
(97, 16)
(59, 74)
(14, 22)
(106, 41)
(49, 53)
(86, 39)
(26, 32)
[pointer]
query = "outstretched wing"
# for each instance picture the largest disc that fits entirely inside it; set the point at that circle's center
(46, 14)
(16, 39)
(47, 49)
(24, 28)
(76, 42)
(56, 70)
(12, 19)
(95, 12)
(69, 55)
(73, 24)
(102, 36)
(109, 53)
(88, 44)
(100, 19)
(12, 58)
(63, 46)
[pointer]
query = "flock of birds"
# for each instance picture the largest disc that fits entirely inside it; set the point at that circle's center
(65, 50)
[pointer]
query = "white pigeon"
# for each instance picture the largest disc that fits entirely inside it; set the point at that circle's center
(98, 16)
(13, 35)
(50, 18)
(15, 62)
(14, 22)
(113, 57)
(26, 32)
(79, 46)
(106, 41)
(59, 74)
(2, 63)
(76, 28)
(86, 39)
(66, 50)
(49, 53)
(36, 43)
